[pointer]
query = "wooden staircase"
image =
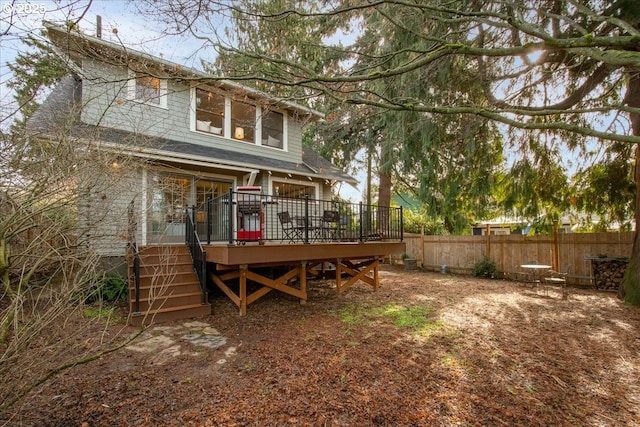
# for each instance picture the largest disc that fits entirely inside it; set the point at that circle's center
(169, 288)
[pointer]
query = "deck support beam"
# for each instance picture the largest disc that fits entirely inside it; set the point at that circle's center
(242, 299)
(357, 272)
(365, 270)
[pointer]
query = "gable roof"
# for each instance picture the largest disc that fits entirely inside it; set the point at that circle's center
(76, 45)
(59, 112)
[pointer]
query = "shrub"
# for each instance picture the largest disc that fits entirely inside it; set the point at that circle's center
(485, 267)
(108, 288)
(413, 221)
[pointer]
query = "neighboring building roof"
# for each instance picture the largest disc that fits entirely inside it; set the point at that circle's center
(78, 45)
(60, 112)
(505, 221)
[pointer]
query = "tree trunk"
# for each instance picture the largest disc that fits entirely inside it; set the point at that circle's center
(384, 189)
(369, 161)
(384, 202)
(384, 173)
(630, 287)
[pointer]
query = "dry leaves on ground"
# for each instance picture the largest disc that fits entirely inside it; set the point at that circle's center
(425, 350)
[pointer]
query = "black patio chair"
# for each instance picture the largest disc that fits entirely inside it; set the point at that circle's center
(291, 231)
(310, 227)
(329, 225)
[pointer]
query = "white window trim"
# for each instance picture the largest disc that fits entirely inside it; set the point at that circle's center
(285, 133)
(273, 180)
(131, 91)
(227, 124)
(227, 118)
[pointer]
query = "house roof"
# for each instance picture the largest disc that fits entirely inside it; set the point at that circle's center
(77, 45)
(60, 112)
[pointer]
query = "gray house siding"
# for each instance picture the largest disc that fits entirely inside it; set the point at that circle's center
(103, 210)
(106, 103)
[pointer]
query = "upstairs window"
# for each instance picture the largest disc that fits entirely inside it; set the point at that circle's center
(210, 112)
(293, 189)
(217, 113)
(272, 129)
(148, 89)
(243, 121)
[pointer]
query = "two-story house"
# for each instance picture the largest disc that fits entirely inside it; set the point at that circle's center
(198, 139)
(201, 137)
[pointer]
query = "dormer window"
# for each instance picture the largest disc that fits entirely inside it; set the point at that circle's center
(147, 89)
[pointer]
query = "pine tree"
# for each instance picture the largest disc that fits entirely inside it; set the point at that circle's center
(35, 70)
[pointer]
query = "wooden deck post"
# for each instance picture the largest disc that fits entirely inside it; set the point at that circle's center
(243, 289)
(376, 277)
(339, 275)
(303, 281)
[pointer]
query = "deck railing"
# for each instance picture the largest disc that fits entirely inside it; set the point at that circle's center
(240, 217)
(198, 254)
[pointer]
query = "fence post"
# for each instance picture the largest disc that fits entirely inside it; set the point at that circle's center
(488, 242)
(402, 224)
(422, 246)
(556, 248)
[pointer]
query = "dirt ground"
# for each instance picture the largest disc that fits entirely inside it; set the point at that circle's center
(427, 349)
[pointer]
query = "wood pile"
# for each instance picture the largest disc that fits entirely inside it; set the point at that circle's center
(608, 273)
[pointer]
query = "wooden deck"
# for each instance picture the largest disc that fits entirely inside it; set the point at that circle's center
(235, 265)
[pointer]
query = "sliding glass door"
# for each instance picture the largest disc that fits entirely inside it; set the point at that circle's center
(170, 195)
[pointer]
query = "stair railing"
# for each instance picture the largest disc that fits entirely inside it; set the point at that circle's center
(135, 253)
(198, 254)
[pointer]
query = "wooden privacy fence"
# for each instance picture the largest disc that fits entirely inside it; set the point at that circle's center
(460, 253)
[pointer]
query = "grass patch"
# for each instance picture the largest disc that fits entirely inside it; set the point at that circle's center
(352, 315)
(414, 317)
(417, 319)
(105, 313)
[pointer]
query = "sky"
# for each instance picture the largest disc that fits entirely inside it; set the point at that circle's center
(21, 17)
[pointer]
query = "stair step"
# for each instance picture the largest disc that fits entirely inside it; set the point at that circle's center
(170, 314)
(181, 288)
(168, 301)
(155, 259)
(147, 269)
(155, 249)
(169, 279)
(158, 254)
(166, 273)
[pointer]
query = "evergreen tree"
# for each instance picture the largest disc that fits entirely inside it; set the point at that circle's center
(554, 76)
(35, 70)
